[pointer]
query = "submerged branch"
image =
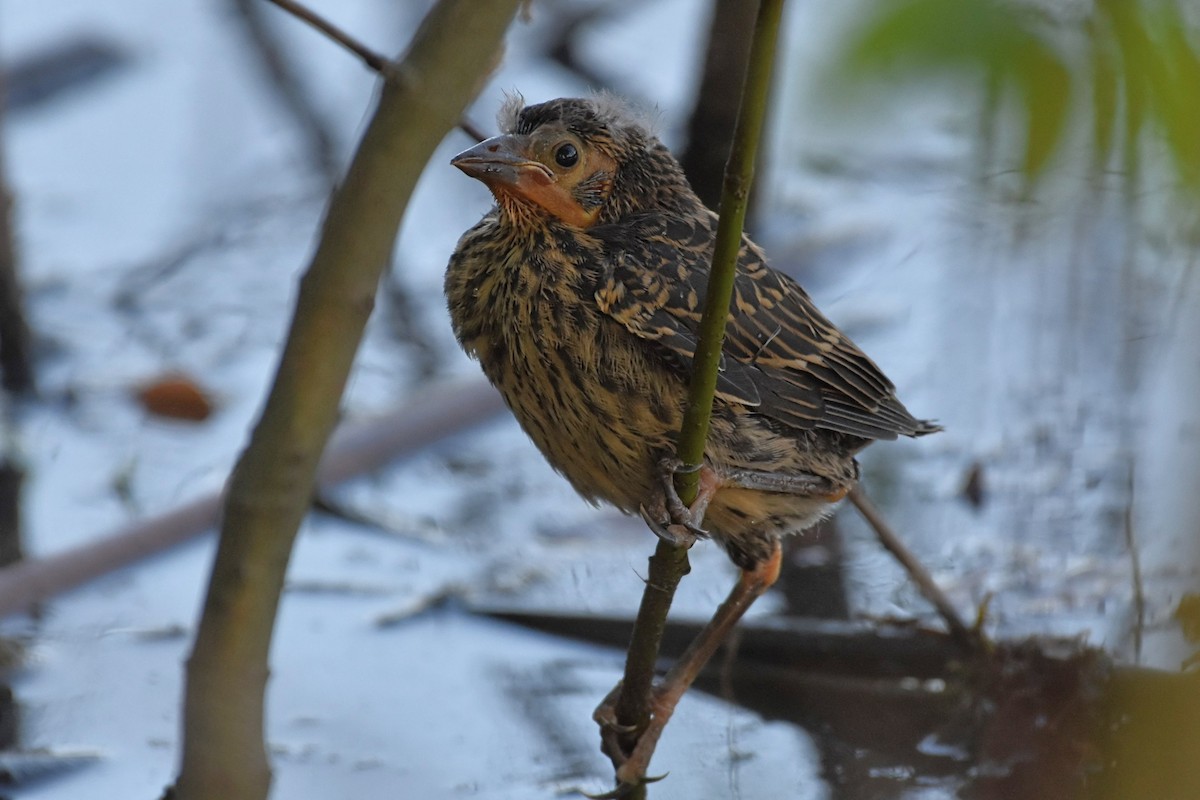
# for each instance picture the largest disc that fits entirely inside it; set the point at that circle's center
(966, 638)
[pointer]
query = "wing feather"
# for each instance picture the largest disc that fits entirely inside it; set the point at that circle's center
(781, 355)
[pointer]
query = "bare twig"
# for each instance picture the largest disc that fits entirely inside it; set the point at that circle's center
(11, 478)
(290, 89)
(568, 21)
(471, 129)
(224, 754)
(369, 57)
(16, 363)
(920, 576)
(372, 59)
(1135, 566)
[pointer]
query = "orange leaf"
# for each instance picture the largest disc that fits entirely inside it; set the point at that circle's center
(175, 397)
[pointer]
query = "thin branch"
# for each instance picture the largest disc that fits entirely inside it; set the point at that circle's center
(968, 639)
(372, 59)
(1135, 566)
(670, 563)
(471, 129)
(739, 175)
(16, 358)
(369, 57)
(282, 74)
(12, 477)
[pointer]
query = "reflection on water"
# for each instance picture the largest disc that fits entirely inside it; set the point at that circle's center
(898, 712)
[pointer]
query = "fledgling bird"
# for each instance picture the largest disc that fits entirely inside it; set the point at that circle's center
(580, 293)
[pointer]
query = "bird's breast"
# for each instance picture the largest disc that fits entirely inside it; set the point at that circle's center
(582, 388)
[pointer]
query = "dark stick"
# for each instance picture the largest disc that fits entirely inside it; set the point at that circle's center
(471, 129)
(372, 59)
(16, 365)
(1135, 566)
(290, 89)
(968, 639)
(668, 565)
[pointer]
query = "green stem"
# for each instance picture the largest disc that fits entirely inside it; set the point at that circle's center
(670, 563)
(739, 175)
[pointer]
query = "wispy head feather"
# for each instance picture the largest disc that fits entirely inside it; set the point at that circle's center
(509, 114)
(620, 111)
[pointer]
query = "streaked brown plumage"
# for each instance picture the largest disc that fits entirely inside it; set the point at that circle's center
(580, 294)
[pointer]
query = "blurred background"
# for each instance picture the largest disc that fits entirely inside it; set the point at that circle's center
(996, 200)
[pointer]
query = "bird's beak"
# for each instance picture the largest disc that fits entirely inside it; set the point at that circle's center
(501, 163)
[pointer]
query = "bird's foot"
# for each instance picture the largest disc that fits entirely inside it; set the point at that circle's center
(631, 760)
(605, 715)
(679, 535)
(668, 516)
(612, 732)
(625, 789)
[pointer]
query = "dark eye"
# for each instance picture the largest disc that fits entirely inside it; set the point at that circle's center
(565, 155)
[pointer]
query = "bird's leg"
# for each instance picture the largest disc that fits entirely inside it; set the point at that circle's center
(750, 586)
(668, 517)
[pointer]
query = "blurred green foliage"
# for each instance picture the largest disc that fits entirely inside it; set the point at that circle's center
(1136, 61)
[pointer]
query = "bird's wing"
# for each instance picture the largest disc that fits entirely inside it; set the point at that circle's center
(780, 356)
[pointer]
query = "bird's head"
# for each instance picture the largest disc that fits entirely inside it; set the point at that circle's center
(581, 161)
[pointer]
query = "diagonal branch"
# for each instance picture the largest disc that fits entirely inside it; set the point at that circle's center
(224, 755)
(966, 638)
(288, 86)
(373, 60)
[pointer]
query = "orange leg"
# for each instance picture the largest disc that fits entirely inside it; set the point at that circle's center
(750, 586)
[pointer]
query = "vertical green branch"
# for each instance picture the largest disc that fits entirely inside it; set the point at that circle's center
(669, 563)
(735, 195)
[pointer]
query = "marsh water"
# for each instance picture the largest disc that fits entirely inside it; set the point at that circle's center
(451, 620)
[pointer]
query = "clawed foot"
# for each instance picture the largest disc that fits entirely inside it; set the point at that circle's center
(605, 714)
(625, 789)
(630, 765)
(611, 729)
(631, 750)
(668, 517)
(615, 738)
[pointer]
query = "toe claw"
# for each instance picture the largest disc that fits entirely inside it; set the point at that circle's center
(625, 788)
(607, 719)
(678, 534)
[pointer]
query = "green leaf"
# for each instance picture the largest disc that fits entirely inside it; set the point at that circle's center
(1181, 112)
(1003, 42)
(1106, 87)
(1045, 85)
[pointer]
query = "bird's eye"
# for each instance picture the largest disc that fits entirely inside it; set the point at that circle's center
(565, 155)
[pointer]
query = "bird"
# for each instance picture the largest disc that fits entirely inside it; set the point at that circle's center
(580, 294)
